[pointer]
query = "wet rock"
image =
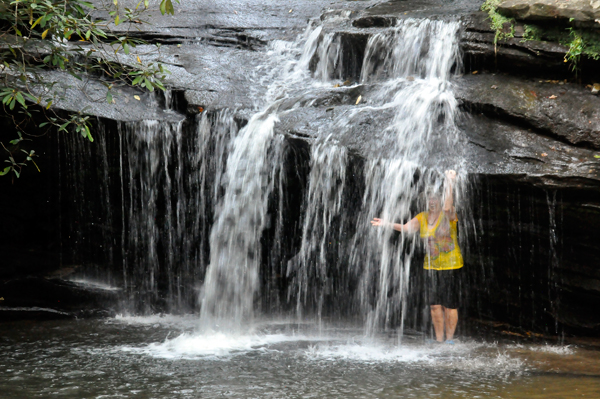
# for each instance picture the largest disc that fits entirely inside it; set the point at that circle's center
(513, 54)
(51, 298)
(498, 148)
(374, 22)
(577, 10)
(349, 61)
(564, 111)
(535, 245)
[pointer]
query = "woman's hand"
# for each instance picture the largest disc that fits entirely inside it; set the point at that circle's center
(378, 222)
(451, 175)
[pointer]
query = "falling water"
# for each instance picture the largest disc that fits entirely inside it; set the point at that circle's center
(154, 215)
(406, 71)
(231, 281)
(232, 275)
(88, 235)
(324, 203)
(553, 261)
(195, 197)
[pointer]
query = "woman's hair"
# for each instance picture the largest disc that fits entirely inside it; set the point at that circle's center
(428, 193)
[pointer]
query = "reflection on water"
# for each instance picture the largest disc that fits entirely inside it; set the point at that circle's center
(164, 357)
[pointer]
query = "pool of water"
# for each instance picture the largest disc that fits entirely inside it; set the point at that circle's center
(166, 357)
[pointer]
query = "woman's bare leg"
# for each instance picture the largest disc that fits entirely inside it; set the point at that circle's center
(451, 319)
(437, 317)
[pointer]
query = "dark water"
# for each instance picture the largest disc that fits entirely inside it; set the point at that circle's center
(163, 357)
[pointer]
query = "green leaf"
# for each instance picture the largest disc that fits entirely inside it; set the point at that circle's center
(20, 99)
(43, 124)
(596, 156)
(63, 126)
(148, 85)
(16, 173)
(75, 75)
(109, 97)
(169, 7)
(126, 47)
(37, 21)
(159, 84)
(32, 98)
(117, 20)
(89, 134)
(5, 171)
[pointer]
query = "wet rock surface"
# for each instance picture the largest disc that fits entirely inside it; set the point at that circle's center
(561, 110)
(574, 10)
(528, 57)
(54, 298)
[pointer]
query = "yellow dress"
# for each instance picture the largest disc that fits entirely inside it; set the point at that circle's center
(443, 252)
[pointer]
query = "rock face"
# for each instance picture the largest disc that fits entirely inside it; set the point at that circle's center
(564, 111)
(578, 10)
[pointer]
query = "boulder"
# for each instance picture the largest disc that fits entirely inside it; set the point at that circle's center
(577, 10)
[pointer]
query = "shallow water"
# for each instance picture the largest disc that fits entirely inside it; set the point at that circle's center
(164, 357)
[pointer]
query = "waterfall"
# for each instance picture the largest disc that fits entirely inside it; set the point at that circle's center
(232, 275)
(406, 75)
(312, 280)
(255, 155)
(194, 196)
(152, 230)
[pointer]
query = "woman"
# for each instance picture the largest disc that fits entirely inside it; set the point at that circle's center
(443, 260)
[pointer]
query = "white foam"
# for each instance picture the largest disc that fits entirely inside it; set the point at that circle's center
(166, 320)
(554, 349)
(214, 345)
(95, 284)
(370, 353)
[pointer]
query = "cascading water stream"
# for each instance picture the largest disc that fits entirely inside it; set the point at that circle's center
(231, 278)
(407, 71)
(231, 281)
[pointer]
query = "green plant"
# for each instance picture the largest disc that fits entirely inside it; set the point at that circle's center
(580, 42)
(498, 21)
(37, 36)
(576, 48)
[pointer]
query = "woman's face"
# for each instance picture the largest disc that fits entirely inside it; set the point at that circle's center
(433, 204)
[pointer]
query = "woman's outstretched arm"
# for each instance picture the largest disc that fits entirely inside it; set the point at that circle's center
(410, 227)
(449, 200)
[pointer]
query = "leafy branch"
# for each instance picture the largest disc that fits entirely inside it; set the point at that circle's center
(40, 36)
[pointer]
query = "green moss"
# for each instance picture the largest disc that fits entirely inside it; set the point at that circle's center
(498, 21)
